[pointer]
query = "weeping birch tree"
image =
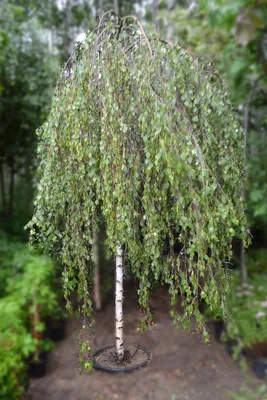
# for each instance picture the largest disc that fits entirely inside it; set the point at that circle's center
(142, 135)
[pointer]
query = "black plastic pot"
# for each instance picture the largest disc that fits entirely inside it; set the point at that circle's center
(260, 368)
(230, 346)
(57, 330)
(26, 387)
(37, 368)
(218, 329)
(202, 307)
(130, 368)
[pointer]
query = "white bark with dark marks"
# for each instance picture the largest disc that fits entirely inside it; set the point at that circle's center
(119, 303)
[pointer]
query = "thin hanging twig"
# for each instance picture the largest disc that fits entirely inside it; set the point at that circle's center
(142, 30)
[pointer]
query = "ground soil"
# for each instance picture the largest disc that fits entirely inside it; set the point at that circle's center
(134, 357)
(182, 366)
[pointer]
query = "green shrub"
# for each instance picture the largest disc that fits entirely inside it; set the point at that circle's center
(247, 311)
(256, 261)
(29, 297)
(8, 247)
(16, 344)
(36, 282)
(30, 275)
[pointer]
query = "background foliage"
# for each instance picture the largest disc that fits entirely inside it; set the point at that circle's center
(36, 37)
(232, 35)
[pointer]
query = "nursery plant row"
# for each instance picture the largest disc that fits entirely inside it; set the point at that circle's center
(30, 315)
(245, 330)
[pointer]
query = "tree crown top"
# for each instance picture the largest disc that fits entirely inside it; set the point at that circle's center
(142, 136)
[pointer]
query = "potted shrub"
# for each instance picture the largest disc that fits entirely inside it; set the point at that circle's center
(31, 283)
(16, 344)
(215, 316)
(28, 299)
(247, 319)
(142, 136)
(36, 289)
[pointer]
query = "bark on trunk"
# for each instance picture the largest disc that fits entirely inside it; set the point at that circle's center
(116, 7)
(67, 33)
(11, 192)
(155, 13)
(96, 280)
(119, 304)
(3, 190)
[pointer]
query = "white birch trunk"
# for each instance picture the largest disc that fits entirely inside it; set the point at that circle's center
(119, 304)
(96, 279)
(155, 13)
(116, 7)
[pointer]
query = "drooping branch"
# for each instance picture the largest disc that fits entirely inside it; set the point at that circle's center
(142, 30)
(96, 277)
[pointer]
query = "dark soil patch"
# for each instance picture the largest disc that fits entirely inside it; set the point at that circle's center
(135, 357)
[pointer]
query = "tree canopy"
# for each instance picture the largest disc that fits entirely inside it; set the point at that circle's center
(232, 35)
(142, 134)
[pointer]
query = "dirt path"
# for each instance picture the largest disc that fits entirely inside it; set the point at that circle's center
(182, 368)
